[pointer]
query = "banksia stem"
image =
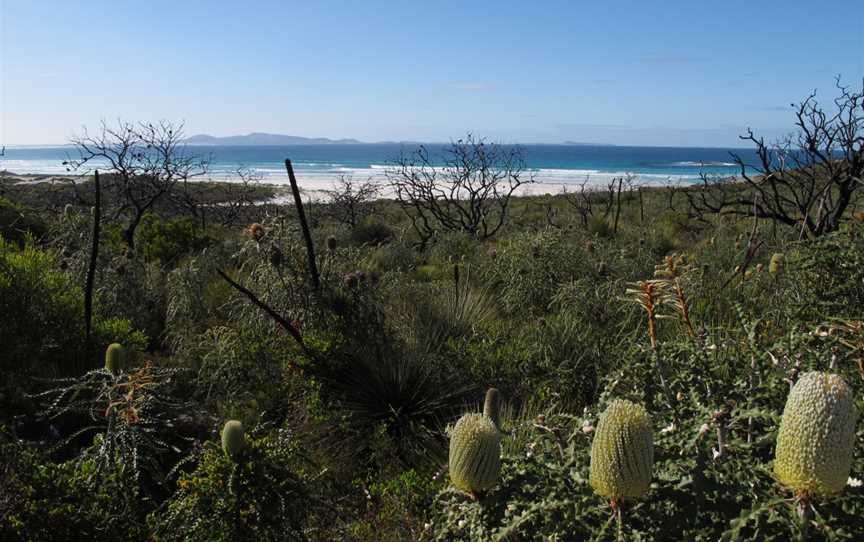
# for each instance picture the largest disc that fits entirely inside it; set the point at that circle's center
(622, 453)
(647, 294)
(805, 514)
(115, 358)
(683, 310)
(233, 438)
(817, 436)
(672, 269)
(719, 418)
(475, 448)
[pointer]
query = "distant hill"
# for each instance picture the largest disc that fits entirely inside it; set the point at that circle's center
(265, 139)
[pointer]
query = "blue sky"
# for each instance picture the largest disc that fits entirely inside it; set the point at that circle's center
(643, 73)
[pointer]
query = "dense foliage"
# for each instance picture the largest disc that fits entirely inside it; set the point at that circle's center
(348, 393)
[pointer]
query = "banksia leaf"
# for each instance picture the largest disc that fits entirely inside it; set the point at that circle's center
(233, 438)
(115, 358)
(622, 454)
(817, 435)
(475, 448)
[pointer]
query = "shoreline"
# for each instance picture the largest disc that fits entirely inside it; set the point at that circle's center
(316, 190)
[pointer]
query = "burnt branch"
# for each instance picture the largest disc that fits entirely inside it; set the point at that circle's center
(807, 180)
(466, 189)
(144, 163)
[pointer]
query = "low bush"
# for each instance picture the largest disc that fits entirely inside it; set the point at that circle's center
(265, 493)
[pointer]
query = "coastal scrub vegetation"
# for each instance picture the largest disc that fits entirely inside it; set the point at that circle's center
(650, 372)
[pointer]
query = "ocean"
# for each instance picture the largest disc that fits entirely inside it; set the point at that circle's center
(318, 166)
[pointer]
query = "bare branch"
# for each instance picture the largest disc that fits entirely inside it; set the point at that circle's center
(808, 179)
(467, 189)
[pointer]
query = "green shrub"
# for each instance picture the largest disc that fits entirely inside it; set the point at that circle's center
(42, 310)
(395, 508)
(119, 330)
(265, 497)
(599, 227)
(42, 500)
(18, 221)
(168, 240)
(427, 273)
(530, 267)
(371, 231)
(826, 276)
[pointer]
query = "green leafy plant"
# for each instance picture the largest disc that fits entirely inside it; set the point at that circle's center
(265, 497)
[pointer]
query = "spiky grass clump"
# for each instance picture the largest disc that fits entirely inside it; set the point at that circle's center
(115, 358)
(233, 438)
(475, 448)
(817, 435)
(622, 454)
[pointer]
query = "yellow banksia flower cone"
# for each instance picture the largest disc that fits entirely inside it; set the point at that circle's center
(233, 438)
(115, 358)
(622, 454)
(475, 448)
(817, 435)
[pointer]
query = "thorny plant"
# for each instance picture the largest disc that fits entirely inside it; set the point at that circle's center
(130, 413)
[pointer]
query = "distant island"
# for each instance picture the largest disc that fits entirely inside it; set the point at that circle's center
(581, 144)
(265, 139)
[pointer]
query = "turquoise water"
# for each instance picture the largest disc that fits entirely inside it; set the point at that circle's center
(317, 166)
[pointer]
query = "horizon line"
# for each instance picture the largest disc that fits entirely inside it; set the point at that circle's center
(334, 144)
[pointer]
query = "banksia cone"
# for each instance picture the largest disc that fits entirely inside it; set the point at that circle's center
(492, 406)
(475, 448)
(622, 454)
(255, 231)
(115, 358)
(233, 439)
(776, 264)
(817, 435)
